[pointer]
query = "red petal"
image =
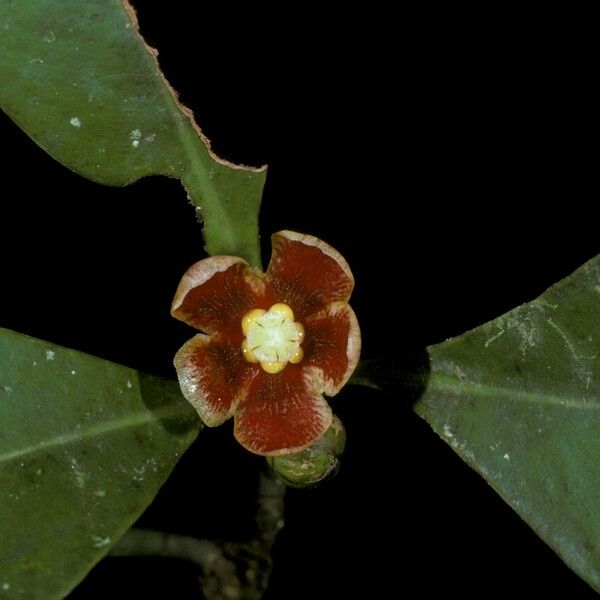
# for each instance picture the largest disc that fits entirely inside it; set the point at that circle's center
(332, 346)
(215, 293)
(307, 274)
(214, 377)
(281, 414)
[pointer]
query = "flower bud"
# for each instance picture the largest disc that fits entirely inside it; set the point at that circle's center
(315, 463)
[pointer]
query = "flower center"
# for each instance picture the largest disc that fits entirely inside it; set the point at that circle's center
(273, 338)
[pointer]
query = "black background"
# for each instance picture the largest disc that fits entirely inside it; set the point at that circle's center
(452, 162)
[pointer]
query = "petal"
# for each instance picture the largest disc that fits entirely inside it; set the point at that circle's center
(281, 414)
(213, 376)
(332, 346)
(215, 293)
(307, 274)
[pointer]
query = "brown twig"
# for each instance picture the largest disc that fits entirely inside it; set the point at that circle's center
(230, 570)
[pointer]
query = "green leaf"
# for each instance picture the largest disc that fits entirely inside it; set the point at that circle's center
(78, 78)
(84, 447)
(519, 400)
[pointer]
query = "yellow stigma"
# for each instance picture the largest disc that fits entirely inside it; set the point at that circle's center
(273, 338)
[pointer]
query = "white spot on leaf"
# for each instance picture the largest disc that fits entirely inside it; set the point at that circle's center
(449, 435)
(135, 136)
(99, 541)
(75, 121)
(80, 476)
(493, 338)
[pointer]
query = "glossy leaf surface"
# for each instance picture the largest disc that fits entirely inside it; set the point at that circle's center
(78, 78)
(519, 400)
(85, 445)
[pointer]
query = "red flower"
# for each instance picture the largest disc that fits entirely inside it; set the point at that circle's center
(274, 343)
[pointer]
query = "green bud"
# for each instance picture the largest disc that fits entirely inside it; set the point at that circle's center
(314, 464)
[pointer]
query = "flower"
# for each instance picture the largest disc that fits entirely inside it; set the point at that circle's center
(273, 342)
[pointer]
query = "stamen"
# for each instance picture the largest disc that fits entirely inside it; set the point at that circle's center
(250, 317)
(284, 310)
(273, 367)
(297, 356)
(248, 352)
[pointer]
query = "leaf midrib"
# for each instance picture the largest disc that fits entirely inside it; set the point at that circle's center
(453, 384)
(127, 421)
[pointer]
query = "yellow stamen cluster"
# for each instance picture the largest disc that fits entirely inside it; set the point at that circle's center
(273, 338)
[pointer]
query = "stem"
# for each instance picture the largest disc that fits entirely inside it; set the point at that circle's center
(407, 374)
(145, 542)
(230, 570)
